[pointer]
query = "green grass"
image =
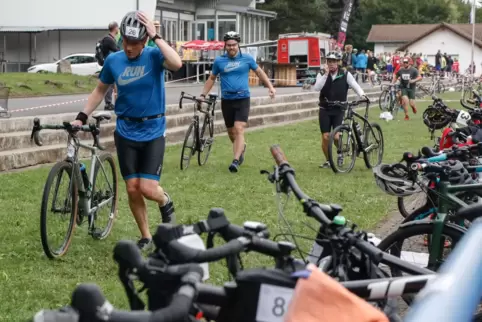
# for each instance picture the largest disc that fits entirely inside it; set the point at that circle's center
(38, 87)
(29, 281)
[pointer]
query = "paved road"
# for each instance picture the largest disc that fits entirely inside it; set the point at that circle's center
(73, 103)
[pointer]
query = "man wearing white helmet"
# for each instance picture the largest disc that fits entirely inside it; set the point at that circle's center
(333, 86)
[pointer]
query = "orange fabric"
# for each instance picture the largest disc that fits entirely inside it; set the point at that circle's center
(321, 298)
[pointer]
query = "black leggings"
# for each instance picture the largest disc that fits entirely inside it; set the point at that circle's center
(140, 159)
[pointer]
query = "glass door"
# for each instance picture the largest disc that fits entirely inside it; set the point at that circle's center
(199, 30)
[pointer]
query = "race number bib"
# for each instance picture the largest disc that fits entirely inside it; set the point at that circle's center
(463, 118)
(406, 77)
(132, 32)
(273, 302)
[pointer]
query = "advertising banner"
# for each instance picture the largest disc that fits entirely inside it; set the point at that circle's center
(345, 17)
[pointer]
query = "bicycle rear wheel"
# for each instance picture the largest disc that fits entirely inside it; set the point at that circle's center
(63, 208)
(188, 147)
(104, 195)
(373, 143)
(384, 100)
(341, 148)
(206, 138)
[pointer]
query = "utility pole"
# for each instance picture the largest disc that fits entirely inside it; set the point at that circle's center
(472, 20)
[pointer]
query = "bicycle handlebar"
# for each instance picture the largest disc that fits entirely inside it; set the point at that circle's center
(322, 213)
(89, 304)
(72, 130)
(465, 105)
(210, 101)
(347, 103)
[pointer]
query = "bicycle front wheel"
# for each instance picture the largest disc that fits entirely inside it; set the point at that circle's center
(188, 147)
(206, 138)
(104, 196)
(342, 146)
(59, 204)
(373, 145)
(407, 205)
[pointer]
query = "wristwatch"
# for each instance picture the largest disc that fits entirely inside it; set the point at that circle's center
(157, 36)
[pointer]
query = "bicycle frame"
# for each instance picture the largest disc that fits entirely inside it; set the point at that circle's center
(85, 194)
(350, 114)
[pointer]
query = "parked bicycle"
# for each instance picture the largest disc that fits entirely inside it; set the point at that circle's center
(367, 139)
(85, 196)
(388, 100)
(4, 96)
(198, 139)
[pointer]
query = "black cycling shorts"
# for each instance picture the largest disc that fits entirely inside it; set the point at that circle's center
(235, 111)
(140, 159)
(329, 119)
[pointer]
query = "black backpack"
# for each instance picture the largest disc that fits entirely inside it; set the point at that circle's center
(99, 52)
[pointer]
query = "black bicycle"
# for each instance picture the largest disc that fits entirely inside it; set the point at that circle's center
(367, 140)
(198, 139)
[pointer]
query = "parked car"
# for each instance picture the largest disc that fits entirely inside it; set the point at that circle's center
(82, 64)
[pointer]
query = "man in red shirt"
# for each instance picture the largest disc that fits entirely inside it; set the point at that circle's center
(396, 61)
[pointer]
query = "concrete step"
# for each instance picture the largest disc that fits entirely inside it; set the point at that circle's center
(16, 151)
(20, 140)
(25, 157)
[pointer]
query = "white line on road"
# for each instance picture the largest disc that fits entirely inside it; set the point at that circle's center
(49, 105)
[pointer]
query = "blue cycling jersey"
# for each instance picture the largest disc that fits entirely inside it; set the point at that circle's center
(140, 92)
(234, 75)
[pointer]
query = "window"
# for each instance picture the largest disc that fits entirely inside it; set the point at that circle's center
(200, 31)
(241, 29)
(185, 29)
(252, 29)
(225, 26)
(72, 59)
(86, 59)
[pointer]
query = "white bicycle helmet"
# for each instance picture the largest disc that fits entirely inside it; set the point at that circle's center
(393, 180)
(333, 55)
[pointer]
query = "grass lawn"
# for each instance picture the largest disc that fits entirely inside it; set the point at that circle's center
(29, 281)
(69, 84)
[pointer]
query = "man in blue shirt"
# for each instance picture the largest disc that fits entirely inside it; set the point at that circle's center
(233, 68)
(138, 73)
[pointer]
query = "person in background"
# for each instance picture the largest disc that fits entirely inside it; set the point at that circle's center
(361, 61)
(348, 58)
(408, 76)
(450, 63)
(333, 86)
(354, 58)
(455, 67)
(371, 62)
(396, 61)
(109, 46)
(389, 64)
(438, 61)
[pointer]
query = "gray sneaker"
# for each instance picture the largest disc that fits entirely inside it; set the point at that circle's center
(325, 165)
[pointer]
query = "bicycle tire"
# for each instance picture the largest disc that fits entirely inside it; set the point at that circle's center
(414, 229)
(373, 126)
(184, 147)
(113, 209)
(205, 148)
(382, 98)
(414, 203)
(56, 172)
(333, 165)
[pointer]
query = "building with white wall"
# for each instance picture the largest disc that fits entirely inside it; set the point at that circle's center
(453, 39)
(52, 29)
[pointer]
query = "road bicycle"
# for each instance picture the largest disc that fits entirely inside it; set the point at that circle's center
(4, 96)
(388, 100)
(367, 139)
(85, 195)
(197, 139)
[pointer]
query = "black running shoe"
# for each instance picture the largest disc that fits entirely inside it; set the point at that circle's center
(167, 211)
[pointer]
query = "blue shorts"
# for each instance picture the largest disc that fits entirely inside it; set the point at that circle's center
(390, 68)
(437, 67)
